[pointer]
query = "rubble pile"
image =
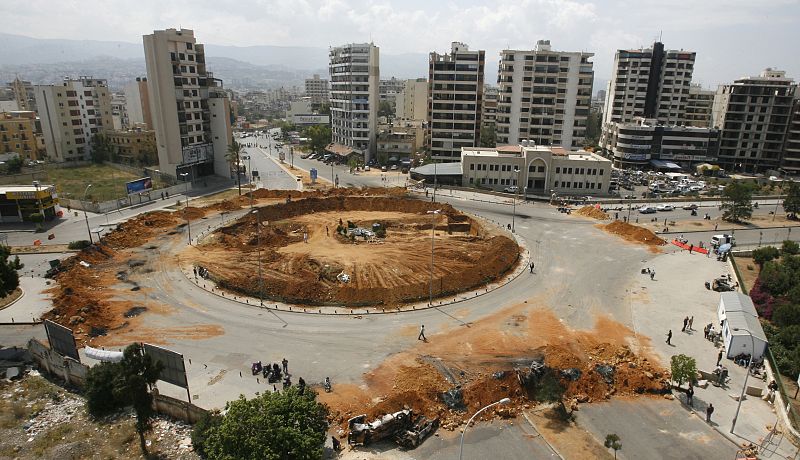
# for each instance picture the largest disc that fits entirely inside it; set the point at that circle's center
(633, 233)
(593, 212)
(140, 229)
(192, 213)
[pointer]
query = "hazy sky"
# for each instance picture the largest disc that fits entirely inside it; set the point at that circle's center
(732, 38)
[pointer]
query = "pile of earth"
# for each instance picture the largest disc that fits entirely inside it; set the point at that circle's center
(140, 229)
(633, 233)
(593, 212)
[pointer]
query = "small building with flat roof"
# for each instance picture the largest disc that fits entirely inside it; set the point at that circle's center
(18, 202)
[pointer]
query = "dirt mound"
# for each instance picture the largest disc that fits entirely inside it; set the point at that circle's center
(192, 213)
(593, 212)
(140, 229)
(633, 233)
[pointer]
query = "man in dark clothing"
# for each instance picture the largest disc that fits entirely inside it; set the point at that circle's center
(285, 364)
(685, 322)
(337, 446)
(669, 337)
(689, 395)
(531, 267)
(719, 357)
(709, 411)
(421, 335)
(302, 384)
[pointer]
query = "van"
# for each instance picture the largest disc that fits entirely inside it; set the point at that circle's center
(718, 240)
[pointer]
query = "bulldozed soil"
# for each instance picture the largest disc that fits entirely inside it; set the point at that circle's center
(634, 233)
(593, 212)
(492, 359)
(382, 271)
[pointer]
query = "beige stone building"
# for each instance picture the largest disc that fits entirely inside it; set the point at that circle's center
(18, 134)
(412, 101)
(136, 146)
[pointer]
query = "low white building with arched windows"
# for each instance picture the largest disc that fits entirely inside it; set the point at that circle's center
(536, 170)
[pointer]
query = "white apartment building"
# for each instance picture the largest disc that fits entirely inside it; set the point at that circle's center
(545, 96)
(412, 101)
(649, 83)
(71, 114)
(536, 170)
(355, 74)
(491, 94)
(119, 112)
(189, 108)
(698, 106)
(455, 100)
(317, 89)
(137, 101)
(753, 116)
(389, 89)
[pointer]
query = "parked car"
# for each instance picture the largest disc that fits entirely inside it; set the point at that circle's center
(384, 169)
(664, 207)
(690, 207)
(366, 167)
(647, 210)
(393, 168)
(511, 189)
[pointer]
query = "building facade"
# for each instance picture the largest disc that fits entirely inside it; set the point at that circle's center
(698, 106)
(412, 101)
(355, 75)
(119, 111)
(491, 94)
(791, 148)
(18, 202)
(135, 146)
(71, 114)
(753, 117)
(189, 108)
(455, 101)
(18, 134)
(640, 143)
(24, 94)
(317, 90)
(545, 96)
(536, 170)
(650, 83)
(389, 89)
(137, 102)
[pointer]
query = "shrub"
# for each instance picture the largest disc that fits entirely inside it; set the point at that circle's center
(78, 244)
(765, 254)
(790, 247)
(100, 398)
(786, 314)
(762, 299)
(201, 429)
(36, 218)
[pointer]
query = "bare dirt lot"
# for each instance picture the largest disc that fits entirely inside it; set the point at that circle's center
(304, 246)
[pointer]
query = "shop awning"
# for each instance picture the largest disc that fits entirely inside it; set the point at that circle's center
(661, 164)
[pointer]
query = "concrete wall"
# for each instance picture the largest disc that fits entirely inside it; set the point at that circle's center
(177, 409)
(112, 205)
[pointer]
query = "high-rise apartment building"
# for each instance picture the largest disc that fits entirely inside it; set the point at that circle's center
(545, 96)
(389, 89)
(412, 101)
(355, 75)
(137, 101)
(317, 90)
(791, 147)
(24, 94)
(753, 115)
(71, 114)
(119, 111)
(650, 83)
(455, 101)
(190, 109)
(491, 95)
(698, 106)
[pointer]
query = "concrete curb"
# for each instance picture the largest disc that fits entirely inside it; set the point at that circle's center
(21, 295)
(533, 425)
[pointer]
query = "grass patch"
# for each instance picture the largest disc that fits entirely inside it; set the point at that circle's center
(52, 437)
(108, 183)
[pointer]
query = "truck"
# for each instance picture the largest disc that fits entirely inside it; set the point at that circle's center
(724, 238)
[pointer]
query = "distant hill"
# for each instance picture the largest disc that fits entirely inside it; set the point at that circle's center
(41, 59)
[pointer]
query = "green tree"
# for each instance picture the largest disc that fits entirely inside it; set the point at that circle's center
(791, 204)
(201, 429)
(790, 247)
(613, 442)
(386, 109)
(9, 278)
(14, 165)
(101, 148)
(233, 156)
(136, 375)
(488, 136)
(325, 109)
(594, 122)
(100, 398)
(270, 426)
(319, 136)
(736, 204)
(786, 314)
(684, 369)
(765, 254)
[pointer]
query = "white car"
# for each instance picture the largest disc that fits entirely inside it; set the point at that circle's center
(665, 207)
(511, 189)
(647, 210)
(690, 207)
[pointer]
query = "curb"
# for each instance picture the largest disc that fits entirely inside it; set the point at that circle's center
(21, 295)
(533, 425)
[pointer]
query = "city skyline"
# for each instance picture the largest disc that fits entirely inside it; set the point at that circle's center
(717, 31)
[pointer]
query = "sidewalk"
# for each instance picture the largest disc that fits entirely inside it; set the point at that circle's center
(33, 303)
(661, 304)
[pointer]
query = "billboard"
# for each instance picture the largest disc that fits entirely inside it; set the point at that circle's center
(61, 339)
(145, 184)
(173, 370)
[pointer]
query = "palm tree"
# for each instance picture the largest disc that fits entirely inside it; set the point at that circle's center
(234, 149)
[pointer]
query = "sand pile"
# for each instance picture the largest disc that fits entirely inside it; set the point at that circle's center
(192, 213)
(633, 233)
(140, 229)
(593, 212)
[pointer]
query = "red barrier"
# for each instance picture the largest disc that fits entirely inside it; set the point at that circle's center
(686, 246)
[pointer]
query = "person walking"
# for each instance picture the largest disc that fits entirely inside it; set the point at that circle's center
(719, 357)
(285, 364)
(337, 446)
(691, 320)
(421, 335)
(691, 246)
(685, 322)
(652, 274)
(690, 395)
(709, 411)
(531, 267)
(669, 337)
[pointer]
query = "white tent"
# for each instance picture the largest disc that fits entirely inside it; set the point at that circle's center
(736, 331)
(103, 355)
(735, 301)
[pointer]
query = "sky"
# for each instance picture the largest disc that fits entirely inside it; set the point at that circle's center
(732, 38)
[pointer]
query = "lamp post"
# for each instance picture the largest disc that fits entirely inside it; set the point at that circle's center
(433, 232)
(435, 177)
(250, 170)
(461, 449)
(188, 223)
(86, 216)
(746, 375)
(258, 243)
(516, 195)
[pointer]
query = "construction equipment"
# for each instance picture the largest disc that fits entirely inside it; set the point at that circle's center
(407, 430)
(721, 285)
(419, 430)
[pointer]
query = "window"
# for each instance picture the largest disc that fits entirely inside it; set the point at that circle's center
(471, 168)
(558, 171)
(569, 170)
(471, 180)
(601, 172)
(555, 184)
(541, 169)
(575, 185)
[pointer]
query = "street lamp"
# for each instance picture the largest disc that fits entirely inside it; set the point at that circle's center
(503, 401)
(188, 223)
(258, 244)
(250, 170)
(516, 195)
(746, 375)
(86, 216)
(433, 232)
